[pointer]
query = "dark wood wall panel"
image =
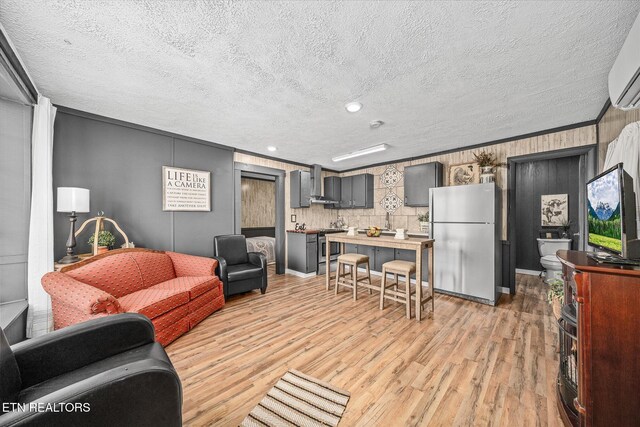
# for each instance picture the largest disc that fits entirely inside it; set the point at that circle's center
(534, 179)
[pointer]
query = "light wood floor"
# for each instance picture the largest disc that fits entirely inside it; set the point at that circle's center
(470, 365)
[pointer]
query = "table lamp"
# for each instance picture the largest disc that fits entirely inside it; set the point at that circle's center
(72, 200)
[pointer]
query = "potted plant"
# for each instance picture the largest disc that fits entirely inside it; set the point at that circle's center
(423, 219)
(555, 296)
(565, 227)
(487, 161)
(106, 240)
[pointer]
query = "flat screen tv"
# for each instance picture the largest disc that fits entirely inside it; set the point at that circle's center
(611, 213)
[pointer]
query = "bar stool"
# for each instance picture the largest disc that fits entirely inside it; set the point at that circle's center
(352, 279)
(397, 267)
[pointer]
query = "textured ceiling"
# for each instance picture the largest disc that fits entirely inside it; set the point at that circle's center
(441, 75)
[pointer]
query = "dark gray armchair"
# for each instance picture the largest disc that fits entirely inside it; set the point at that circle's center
(104, 372)
(239, 270)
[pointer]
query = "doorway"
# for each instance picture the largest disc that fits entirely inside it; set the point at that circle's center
(259, 210)
(531, 178)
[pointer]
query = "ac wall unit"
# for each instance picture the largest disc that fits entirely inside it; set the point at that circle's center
(624, 77)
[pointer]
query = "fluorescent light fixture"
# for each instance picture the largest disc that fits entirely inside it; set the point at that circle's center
(359, 153)
(353, 107)
(271, 148)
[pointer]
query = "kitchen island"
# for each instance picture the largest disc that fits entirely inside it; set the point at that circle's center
(415, 244)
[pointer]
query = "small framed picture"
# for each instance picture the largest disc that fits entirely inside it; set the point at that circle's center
(294, 218)
(554, 209)
(464, 174)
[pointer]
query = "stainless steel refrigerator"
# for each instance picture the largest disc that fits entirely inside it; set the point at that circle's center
(465, 224)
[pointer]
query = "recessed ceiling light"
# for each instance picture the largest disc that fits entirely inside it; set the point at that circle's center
(353, 107)
(375, 124)
(271, 148)
(362, 152)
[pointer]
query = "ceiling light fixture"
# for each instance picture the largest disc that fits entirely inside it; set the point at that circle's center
(353, 107)
(271, 148)
(363, 152)
(375, 124)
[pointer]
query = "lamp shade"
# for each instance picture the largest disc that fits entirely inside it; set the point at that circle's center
(73, 199)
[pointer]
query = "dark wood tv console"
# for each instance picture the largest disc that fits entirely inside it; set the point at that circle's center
(606, 299)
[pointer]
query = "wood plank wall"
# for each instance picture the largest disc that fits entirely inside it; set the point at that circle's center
(258, 203)
(315, 217)
(406, 217)
(610, 126)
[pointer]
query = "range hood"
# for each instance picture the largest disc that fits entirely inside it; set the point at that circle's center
(316, 187)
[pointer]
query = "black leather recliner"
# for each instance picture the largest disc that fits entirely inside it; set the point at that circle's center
(104, 372)
(239, 270)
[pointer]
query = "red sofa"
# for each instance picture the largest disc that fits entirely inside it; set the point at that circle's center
(176, 291)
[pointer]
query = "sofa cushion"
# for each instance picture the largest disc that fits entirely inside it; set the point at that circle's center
(243, 271)
(153, 301)
(204, 305)
(116, 274)
(155, 267)
(172, 324)
(171, 333)
(195, 285)
(171, 317)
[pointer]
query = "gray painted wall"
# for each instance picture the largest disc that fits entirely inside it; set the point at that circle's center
(122, 166)
(15, 176)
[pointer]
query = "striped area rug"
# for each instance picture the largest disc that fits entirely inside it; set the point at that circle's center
(299, 400)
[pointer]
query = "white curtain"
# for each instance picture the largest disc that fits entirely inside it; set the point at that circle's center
(40, 261)
(626, 149)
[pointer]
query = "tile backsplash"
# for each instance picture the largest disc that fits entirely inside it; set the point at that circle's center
(388, 196)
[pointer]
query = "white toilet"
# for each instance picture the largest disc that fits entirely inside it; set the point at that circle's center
(550, 262)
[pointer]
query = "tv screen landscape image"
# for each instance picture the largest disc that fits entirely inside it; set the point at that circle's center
(603, 211)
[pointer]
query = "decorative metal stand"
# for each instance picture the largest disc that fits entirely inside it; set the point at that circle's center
(99, 220)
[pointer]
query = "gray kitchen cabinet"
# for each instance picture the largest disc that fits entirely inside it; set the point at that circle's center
(302, 252)
(383, 255)
(350, 249)
(345, 192)
(312, 257)
(356, 191)
(332, 191)
(300, 186)
(378, 256)
(369, 251)
(406, 255)
(418, 179)
(362, 191)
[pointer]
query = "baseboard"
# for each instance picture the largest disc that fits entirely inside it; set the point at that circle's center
(528, 272)
(300, 274)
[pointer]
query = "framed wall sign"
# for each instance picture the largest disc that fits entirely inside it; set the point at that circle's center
(185, 190)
